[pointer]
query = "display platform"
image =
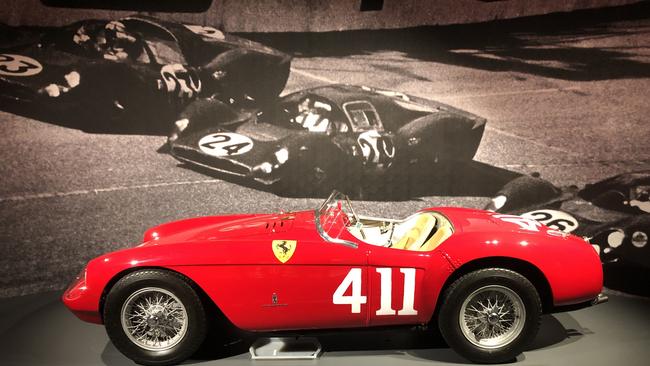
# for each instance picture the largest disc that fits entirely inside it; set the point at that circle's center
(38, 330)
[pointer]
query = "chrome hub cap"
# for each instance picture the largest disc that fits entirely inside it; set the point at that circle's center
(492, 316)
(154, 319)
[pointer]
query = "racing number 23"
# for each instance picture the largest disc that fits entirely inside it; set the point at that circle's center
(355, 299)
(18, 65)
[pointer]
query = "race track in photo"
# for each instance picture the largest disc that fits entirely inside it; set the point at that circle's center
(569, 103)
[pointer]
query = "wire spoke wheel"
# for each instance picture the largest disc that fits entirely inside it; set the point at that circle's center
(154, 319)
(492, 317)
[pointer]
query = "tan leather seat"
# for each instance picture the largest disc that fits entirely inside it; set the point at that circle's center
(436, 239)
(414, 238)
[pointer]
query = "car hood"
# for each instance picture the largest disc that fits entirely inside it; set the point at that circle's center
(214, 228)
(262, 145)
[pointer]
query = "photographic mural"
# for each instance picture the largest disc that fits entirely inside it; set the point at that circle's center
(115, 124)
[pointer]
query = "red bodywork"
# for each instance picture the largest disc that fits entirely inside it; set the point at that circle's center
(231, 259)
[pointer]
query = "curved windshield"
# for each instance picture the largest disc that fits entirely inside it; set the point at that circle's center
(363, 116)
(334, 216)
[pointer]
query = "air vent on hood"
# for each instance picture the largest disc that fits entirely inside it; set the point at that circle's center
(279, 225)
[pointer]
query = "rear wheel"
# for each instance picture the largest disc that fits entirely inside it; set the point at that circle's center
(154, 317)
(490, 315)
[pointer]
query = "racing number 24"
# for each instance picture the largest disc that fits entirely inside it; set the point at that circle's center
(219, 141)
(355, 300)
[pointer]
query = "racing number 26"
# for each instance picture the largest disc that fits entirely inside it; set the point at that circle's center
(355, 300)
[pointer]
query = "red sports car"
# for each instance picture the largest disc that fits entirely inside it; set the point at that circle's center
(484, 277)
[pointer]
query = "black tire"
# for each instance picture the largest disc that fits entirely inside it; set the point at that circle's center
(486, 280)
(174, 283)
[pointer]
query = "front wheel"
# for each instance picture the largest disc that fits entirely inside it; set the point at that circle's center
(155, 317)
(490, 315)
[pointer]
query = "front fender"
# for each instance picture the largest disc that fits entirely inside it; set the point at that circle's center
(206, 113)
(170, 228)
(523, 192)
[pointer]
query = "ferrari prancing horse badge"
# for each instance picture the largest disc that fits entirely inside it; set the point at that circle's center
(283, 249)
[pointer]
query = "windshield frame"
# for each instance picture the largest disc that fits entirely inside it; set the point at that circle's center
(332, 201)
(379, 125)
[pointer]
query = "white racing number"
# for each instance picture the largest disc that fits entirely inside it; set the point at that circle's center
(355, 299)
(375, 147)
(179, 81)
(557, 220)
(206, 31)
(225, 144)
(18, 65)
(523, 222)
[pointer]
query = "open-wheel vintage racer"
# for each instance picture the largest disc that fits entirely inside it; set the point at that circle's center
(134, 67)
(613, 213)
(484, 277)
(324, 137)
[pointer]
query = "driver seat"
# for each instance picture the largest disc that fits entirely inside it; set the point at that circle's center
(417, 234)
(443, 232)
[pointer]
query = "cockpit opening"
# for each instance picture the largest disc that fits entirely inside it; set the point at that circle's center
(423, 231)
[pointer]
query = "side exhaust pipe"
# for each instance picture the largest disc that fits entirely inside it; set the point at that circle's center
(601, 298)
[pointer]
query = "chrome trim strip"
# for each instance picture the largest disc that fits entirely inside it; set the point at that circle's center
(328, 238)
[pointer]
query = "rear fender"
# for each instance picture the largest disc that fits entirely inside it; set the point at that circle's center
(580, 281)
(205, 113)
(440, 136)
(247, 72)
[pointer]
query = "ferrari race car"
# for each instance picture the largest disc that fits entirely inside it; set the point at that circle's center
(324, 137)
(487, 277)
(135, 66)
(613, 213)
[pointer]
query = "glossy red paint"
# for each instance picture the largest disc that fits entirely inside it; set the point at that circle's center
(570, 264)
(231, 259)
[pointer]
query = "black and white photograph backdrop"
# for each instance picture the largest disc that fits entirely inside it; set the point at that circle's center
(116, 116)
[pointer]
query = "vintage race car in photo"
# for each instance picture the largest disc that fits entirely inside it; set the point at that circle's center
(613, 213)
(136, 66)
(484, 278)
(325, 137)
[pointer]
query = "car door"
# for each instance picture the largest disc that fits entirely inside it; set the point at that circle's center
(401, 290)
(322, 285)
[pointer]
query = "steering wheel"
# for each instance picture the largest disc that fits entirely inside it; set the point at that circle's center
(390, 236)
(360, 227)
